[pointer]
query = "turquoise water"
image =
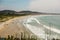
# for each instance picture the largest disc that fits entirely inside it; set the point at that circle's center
(51, 21)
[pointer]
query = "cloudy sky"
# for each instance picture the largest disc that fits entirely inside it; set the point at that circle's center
(52, 6)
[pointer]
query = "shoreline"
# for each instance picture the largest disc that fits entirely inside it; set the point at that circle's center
(23, 18)
(44, 26)
(52, 29)
(7, 22)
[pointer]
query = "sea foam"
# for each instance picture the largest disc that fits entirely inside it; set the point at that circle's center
(40, 32)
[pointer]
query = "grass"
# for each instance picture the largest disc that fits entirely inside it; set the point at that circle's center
(23, 36)
(4, 18)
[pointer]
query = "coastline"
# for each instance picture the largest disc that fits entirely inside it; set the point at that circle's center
(44, 26)
(23, 18)
(6, 30)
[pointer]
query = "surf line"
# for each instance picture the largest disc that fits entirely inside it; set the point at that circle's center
(49, 28)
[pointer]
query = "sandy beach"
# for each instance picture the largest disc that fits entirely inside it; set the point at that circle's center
(13, 26)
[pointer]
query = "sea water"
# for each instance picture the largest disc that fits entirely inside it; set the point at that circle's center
(51, 21)
(47, 26)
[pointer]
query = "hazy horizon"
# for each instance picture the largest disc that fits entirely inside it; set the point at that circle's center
(49, 6)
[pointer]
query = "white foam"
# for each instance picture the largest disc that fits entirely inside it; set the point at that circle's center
(40, 32)
(37, 31)
(50, 28)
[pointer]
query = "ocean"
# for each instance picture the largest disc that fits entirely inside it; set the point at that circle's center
(51, 21)
(44, 26)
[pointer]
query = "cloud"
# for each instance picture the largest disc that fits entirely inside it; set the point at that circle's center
(45, 6)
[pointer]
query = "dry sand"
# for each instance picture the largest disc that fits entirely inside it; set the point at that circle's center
(11, 27)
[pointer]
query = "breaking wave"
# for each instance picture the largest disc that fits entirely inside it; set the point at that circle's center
(39, 29)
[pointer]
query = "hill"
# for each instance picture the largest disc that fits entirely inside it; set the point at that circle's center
(8, 14)
(4, 12)
(11, 12)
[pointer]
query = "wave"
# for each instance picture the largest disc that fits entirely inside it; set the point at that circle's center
(39, 31)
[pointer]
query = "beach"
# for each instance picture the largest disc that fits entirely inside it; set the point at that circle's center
(21, 24)
(13, 26)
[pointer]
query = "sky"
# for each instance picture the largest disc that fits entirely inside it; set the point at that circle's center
(51, 6)
(14, 4)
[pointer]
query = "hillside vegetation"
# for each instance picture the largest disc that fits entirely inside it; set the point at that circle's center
(9, 14)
